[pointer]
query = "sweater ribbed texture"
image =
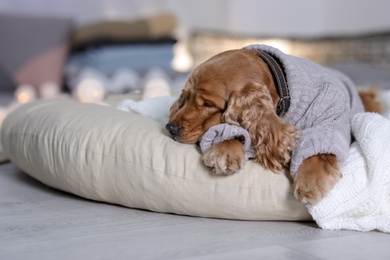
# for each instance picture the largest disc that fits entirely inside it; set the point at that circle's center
(222, 132)
(323, 102)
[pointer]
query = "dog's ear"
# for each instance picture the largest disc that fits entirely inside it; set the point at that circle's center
(253, 109)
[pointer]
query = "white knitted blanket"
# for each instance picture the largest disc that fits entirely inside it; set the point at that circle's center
(361, 199)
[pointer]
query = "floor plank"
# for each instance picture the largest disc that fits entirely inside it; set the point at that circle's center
(371, 245)
(37, 222)
(273, 252)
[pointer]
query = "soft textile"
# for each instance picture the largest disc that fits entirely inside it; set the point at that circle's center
(145, 29)
(361, 199)
(323, 101)
(156, 108)
(222, 132)
(109, 59)
(101, 153)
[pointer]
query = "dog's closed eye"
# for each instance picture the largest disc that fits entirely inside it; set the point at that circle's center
(181, 101)
(209, 104)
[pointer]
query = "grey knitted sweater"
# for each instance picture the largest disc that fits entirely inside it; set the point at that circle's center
(222, 132)
(323, 102)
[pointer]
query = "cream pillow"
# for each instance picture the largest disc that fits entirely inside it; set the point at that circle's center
(103, 154)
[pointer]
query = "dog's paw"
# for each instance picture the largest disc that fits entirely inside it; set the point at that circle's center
(316, 177)
(227, 157)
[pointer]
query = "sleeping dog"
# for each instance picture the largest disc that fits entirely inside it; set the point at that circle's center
(297, 113)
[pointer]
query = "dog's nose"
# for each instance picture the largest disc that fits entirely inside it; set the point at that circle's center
(173, 129)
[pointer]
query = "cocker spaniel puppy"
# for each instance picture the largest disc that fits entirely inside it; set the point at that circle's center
(297, 113)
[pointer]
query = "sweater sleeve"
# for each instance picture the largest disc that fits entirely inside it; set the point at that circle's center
(222, 132)
(326, 128)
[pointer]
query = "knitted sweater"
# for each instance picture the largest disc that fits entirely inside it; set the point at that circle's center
(323, 102)
(222, 132)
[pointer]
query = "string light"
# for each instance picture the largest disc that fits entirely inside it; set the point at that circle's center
(182, 60)
(124, 80)
(89, 90)
(49, 90)
(156, 84)
(25, 93)
(3, 114)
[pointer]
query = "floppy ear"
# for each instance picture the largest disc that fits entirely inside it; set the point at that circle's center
(252, 108)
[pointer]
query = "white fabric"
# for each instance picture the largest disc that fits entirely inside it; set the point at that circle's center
(156, 108)
(361, 199)
(104, 154)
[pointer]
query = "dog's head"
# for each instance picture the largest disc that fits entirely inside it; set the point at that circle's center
(234, 87)
(209, 95)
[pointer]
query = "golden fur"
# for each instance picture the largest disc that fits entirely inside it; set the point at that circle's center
(236, 87)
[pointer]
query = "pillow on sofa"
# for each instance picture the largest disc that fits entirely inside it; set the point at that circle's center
(101, 153)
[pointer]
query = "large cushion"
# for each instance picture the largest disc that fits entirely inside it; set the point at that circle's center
(103, 154)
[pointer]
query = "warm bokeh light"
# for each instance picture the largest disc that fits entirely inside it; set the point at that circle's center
(156, 88)
(25, 93)
(49, 90)
(3, 114)
(182, 60)
(282, 45)
(156, 84)
(89, 90)
(124, 80)
(23, 97)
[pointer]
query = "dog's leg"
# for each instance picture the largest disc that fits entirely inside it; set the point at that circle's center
(226, 157)
(316, 177)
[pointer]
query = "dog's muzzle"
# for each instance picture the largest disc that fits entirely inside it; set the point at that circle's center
(173, 129)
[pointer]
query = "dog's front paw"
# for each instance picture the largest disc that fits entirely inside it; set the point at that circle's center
(227, 157)
(316, 177)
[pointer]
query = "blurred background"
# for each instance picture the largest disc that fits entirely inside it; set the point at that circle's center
(93, 48)
(256, 17)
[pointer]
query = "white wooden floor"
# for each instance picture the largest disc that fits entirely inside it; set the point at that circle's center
(37, 222)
